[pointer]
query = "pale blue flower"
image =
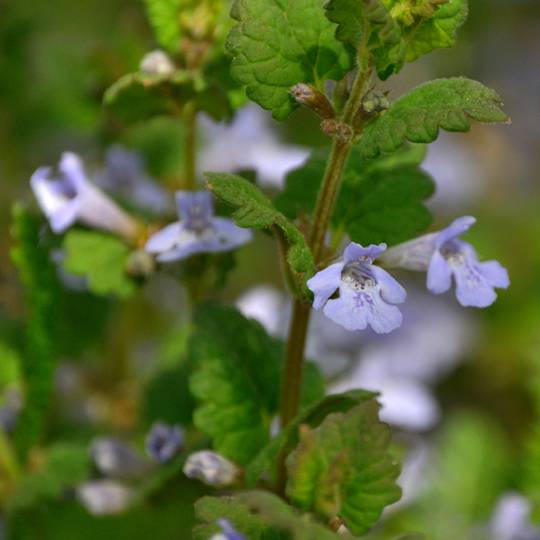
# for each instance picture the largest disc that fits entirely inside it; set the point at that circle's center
(198, 230)
(228, 532)
(443, 255)
(70, 197)
(163, 442)
(367, 293)
(211, 468)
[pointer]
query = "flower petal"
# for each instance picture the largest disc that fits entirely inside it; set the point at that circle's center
(228, 235)
(324, 283)
(472, 288)
(456, 228)
(65, 216)
(72, 169)
(354, 251)
(391, 290)
(165, 239)
(495, 274)
(439, 275)
(412, 255)
(194, 206)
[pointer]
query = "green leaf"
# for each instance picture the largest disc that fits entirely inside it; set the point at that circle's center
(238, 381)
(278, 44)
(449, 104)
(265, 461)
(369, 21)
(101, 259)
(42, 292)
(139, 96)
(428, 25)
(381, 200)
(164, 17)
(260, 516)
(256, 211)
(10, 368)
(64, 466)
(342, 468)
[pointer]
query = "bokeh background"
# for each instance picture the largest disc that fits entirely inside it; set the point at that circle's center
(461, 387)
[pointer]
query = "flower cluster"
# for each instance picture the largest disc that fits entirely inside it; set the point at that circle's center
(368, 294)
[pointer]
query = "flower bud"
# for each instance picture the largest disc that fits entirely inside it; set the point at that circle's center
(163, 442)
(310, 97)
(104, 497)
(337, 130)
(211, 468)
(157, 63)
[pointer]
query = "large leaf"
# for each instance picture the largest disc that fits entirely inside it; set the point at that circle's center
(100, 258)
(254, 210)
(238, 381)
(258, 515)
(381, 200)
(342, 468)
(277, 44)
(449, 104)
(266, 460)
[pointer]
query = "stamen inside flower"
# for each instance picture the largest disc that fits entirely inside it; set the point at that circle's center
(358, 277)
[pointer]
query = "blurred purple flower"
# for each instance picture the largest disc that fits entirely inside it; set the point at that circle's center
(443, 255)
(211, 468)
(125, 174)
(71, 197)
(198, 230)
(228, 532)
(163, 442)
(366, 292)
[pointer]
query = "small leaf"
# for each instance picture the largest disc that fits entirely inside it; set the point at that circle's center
(449, 104)
(101, 259)
(164, 17)
(65, 465)
(287, 439)
(258, 515)
(342, 468)
(238, 382)
(139, 96)
(279, 44)
(430, 25)
(256, 211)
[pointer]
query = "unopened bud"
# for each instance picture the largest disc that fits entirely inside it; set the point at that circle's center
(338, 130)
(157, 63)
(140, 264)
(104, 497)
(375, 102)
(211, 468)
(310, 97)
(163, 442)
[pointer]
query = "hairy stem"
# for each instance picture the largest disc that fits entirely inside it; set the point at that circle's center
(292, 381)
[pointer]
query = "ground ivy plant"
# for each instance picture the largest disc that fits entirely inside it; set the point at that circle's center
(344, 220)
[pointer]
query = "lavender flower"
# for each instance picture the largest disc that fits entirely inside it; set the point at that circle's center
(73, 198)
(366, 292)
(444, 255)
(198, 230)
(228, 532)
(210, 468)
(163, 442)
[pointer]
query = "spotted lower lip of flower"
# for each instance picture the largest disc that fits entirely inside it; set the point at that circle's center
(71, 198)
(367, 293)
(443, 255)
(198, 230)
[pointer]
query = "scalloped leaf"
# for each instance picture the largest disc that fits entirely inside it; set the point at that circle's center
(342, 468)
(277, 44)
(450, 104)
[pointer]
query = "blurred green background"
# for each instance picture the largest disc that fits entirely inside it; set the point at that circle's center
(56, 60)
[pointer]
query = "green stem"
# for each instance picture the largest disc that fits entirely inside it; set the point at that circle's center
(190, 148)
(292, 377)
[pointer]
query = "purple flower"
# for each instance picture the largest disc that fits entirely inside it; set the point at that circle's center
(228, 532)
(444, 255)
(366, 292)
(71, 198)
(211, 468)
(163, 442)
(198, 230)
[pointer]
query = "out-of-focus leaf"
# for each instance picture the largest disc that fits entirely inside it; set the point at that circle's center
(343, 468)
(100, 258)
